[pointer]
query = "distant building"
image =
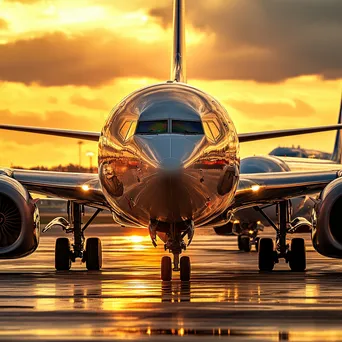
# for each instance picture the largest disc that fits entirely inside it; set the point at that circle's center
(299, 153)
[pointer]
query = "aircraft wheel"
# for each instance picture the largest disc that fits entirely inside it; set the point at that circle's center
(239, 243)
(266, 254)
(62, 254)
(166, 268)
(297, 257)
(257, 244)
(93, 255)
(245, 243)
(185, 268)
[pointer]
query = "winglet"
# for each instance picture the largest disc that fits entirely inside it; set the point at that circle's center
(337, 153)
(178, 62)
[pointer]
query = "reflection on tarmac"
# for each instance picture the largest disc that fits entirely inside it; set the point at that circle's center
(227, 297)
(175, 292)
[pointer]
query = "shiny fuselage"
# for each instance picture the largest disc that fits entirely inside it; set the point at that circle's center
(168, 177)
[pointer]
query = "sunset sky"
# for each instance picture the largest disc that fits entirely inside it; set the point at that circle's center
(273, 63)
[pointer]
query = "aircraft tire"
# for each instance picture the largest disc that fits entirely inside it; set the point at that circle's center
(239, 243)
(93, 254)
(245, 243)
(266, 254)
(185, 268)
(166, 268)
(257, 244)
(62, 254)
(297, 260)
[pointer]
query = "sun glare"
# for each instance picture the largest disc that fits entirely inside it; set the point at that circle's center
(144, 18)
(136, 239)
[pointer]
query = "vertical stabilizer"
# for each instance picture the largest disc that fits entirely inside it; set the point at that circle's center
(178, 63)
(337, 153)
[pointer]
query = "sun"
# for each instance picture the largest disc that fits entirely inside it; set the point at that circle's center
(136, 239)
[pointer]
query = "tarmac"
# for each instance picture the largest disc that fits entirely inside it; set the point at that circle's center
(227, 297)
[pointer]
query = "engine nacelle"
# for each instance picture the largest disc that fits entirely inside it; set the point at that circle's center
(19, 219)
(262, 164)
(327, 221)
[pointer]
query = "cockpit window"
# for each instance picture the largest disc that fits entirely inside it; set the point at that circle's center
(211, 130)
(152, 127)
(127, 129)
(187, 127)
(131, 130)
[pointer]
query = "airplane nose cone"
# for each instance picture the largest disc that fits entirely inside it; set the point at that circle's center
(169, 152)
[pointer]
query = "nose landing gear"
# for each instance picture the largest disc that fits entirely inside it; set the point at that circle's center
(175, 245)
(248, 235)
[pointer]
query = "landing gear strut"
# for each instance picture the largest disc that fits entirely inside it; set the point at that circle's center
(294, 254)
(175, 245)
(65, 253)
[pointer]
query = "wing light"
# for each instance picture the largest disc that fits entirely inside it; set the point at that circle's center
(255, 188)
(85, 187)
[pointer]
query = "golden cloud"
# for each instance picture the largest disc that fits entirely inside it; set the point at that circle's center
(264, 40)
(25, 2)
(268, 110)
(92, 59)
(53, 119)
(89, 103)
(3, 24)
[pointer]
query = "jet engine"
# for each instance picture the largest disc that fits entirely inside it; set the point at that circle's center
(327, 221)
(19, 219)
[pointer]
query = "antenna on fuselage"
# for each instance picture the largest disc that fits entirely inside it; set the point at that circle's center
(178, 62)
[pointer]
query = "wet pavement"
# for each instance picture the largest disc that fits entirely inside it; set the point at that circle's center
(227, 297)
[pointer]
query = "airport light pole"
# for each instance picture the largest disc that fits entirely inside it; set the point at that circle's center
(90, 155)
(80, 143)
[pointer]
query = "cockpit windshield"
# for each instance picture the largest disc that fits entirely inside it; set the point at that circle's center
(187, 127)
(152, 127)
(170, 126)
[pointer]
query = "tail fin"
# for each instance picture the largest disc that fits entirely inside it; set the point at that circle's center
(178, 63)
(337, 153)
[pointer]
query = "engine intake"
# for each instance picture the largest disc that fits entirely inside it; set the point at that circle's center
(19, 220)
(10, 222)
(327, 221)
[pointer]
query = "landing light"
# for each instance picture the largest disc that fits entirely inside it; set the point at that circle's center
(255, 188)
(85, 187)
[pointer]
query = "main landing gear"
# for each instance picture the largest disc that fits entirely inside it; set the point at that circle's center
(65, 253)
(270, 253)
(175, 244)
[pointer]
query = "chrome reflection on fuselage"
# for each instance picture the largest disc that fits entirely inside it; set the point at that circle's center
(161, 174)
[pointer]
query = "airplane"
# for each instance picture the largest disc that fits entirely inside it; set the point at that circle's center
(168, 162)
(248, 223)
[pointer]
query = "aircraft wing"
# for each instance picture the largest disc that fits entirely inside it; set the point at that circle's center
(267, 188)
(246, 137)
(81, 135)
(82, 187)
(243, 137)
